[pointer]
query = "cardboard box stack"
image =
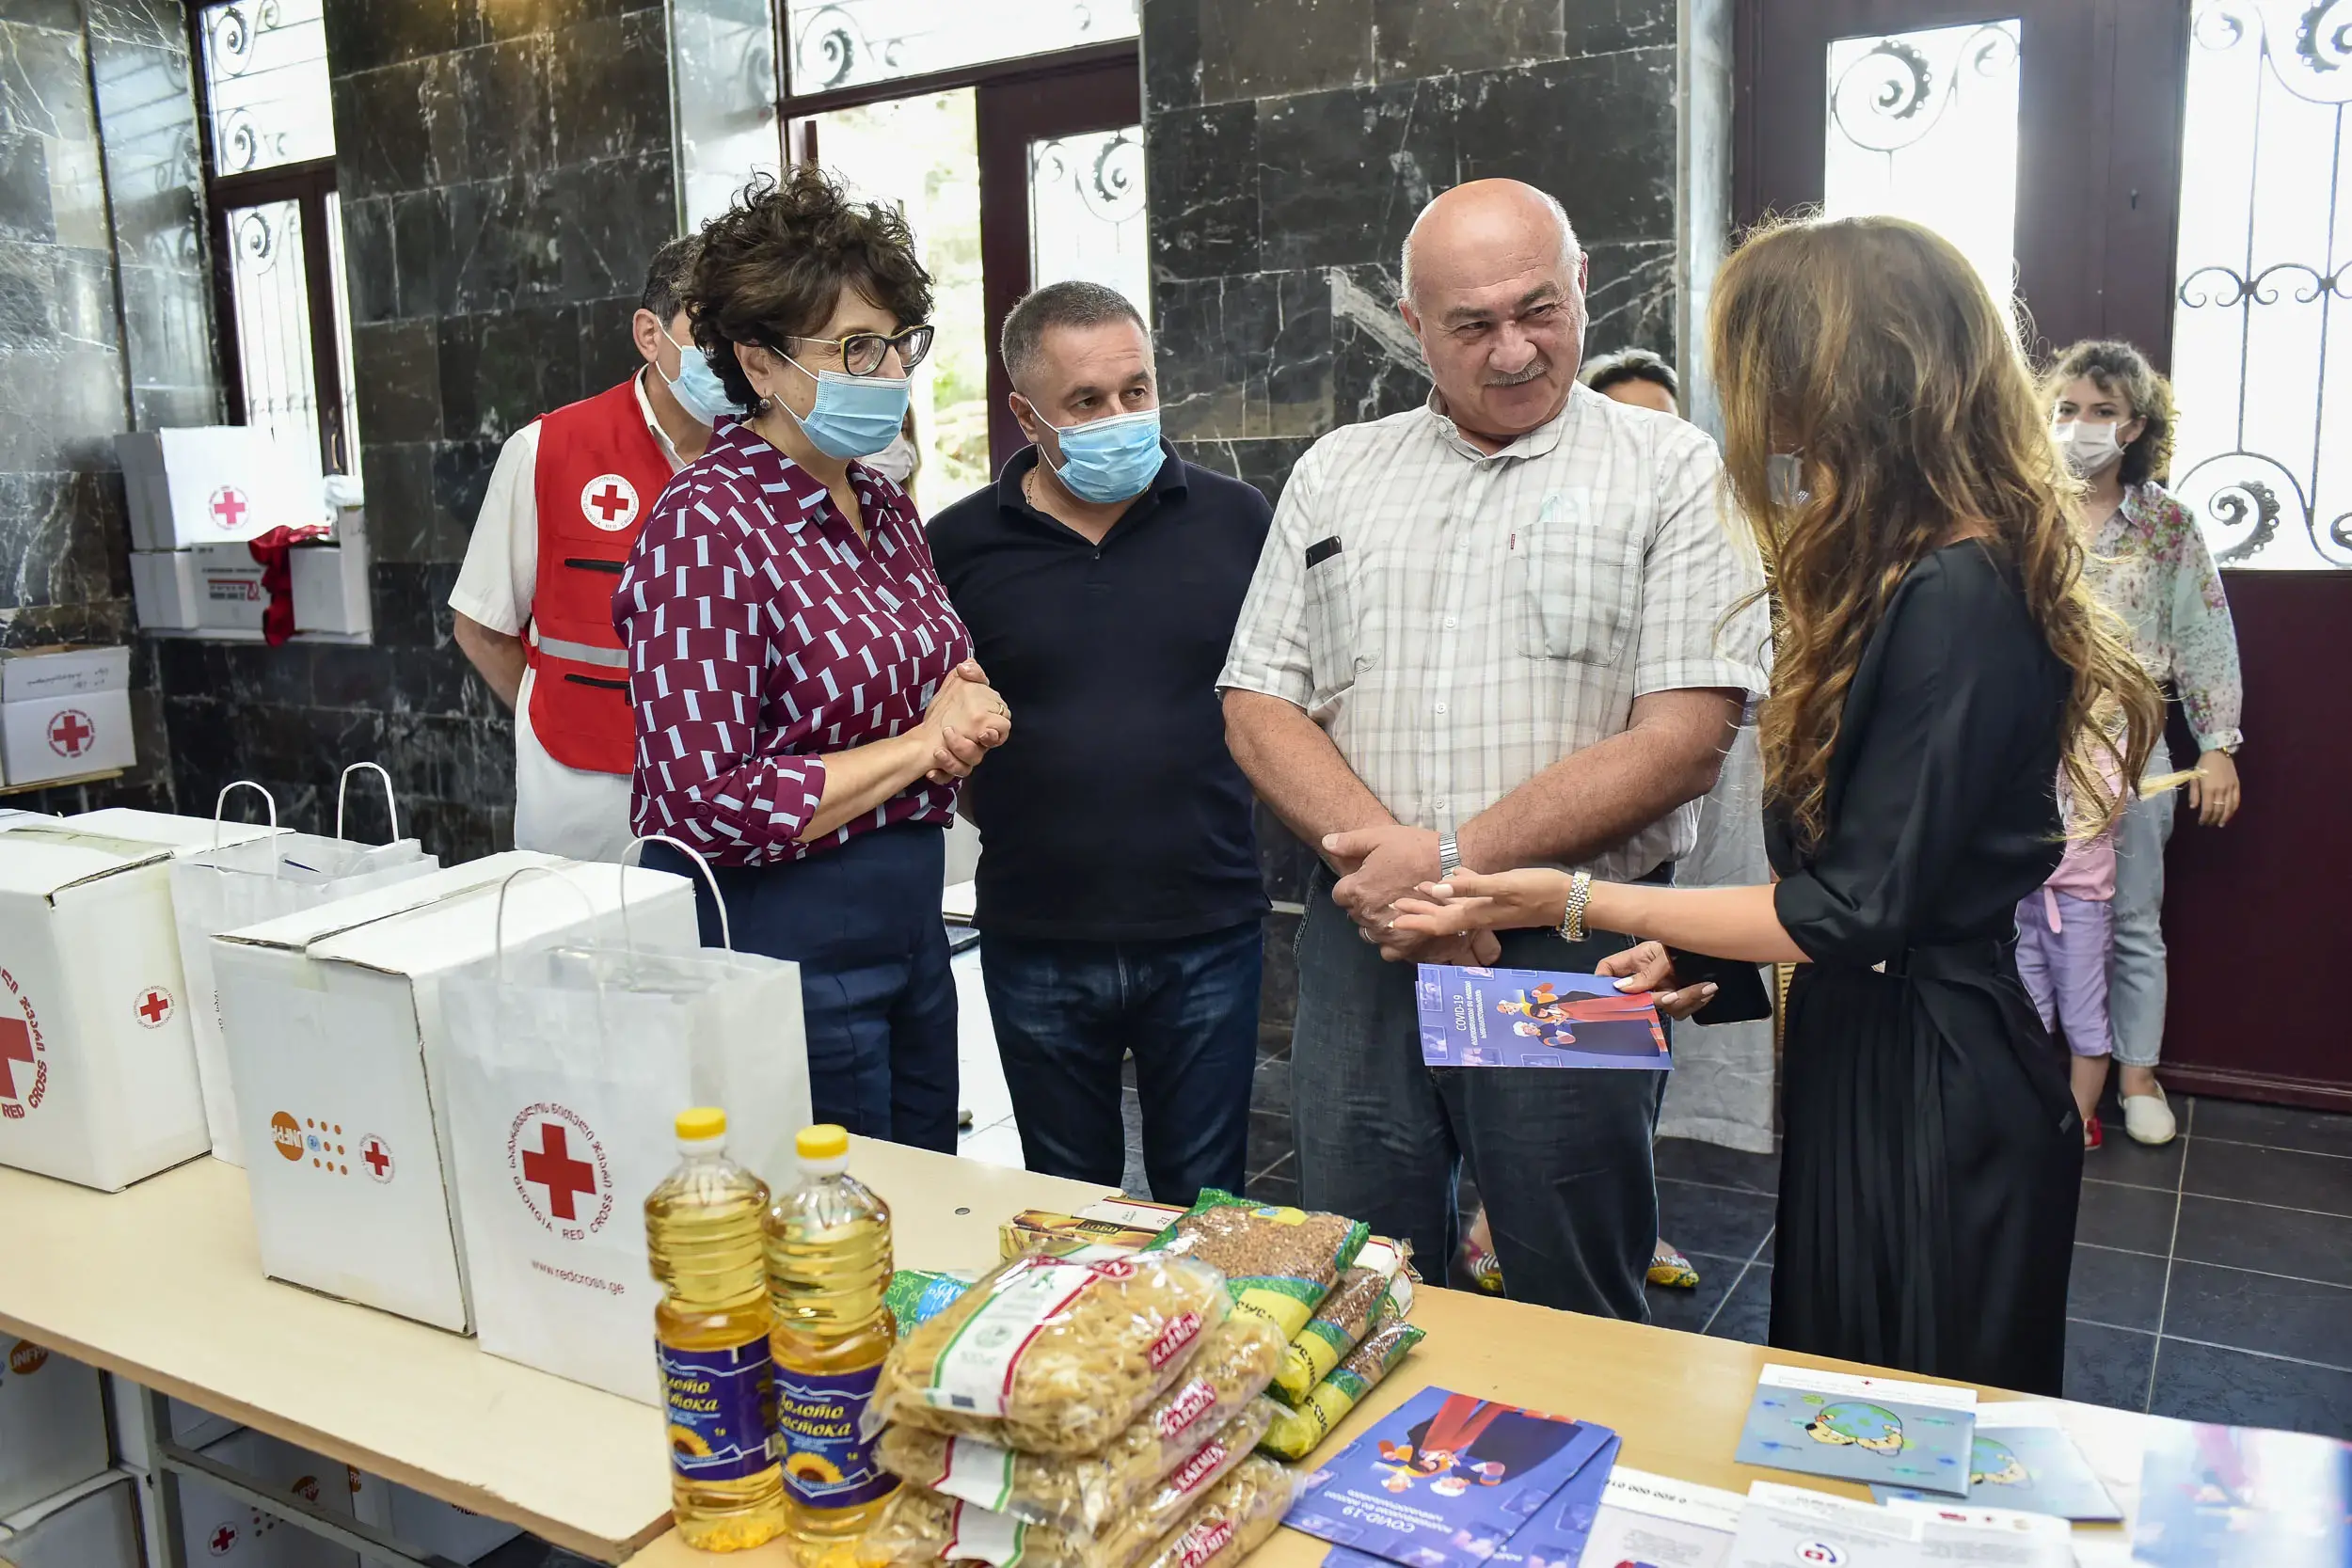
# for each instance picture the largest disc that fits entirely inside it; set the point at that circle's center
(65, 713)
(333, 1022)
(426, 1525)
(97, 1080)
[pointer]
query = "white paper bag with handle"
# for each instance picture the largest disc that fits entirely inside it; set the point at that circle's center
(565, 1069)
(232, 886)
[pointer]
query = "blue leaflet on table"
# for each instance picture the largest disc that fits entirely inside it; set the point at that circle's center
(1875, 1438)
(1536, 1017)
(2218, 1496)
(2031, 1469)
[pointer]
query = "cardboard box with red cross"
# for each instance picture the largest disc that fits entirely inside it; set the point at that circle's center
(98, 1080)
(65, 713)
(216, 485)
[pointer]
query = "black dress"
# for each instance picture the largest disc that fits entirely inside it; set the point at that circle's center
(1933, 1155)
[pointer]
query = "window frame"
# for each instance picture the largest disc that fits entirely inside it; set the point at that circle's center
(308, 184)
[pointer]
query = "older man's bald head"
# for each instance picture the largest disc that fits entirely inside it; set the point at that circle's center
(1481, 222)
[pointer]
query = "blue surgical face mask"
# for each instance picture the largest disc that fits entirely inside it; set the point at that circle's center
(854, 416)
(697, 386)
(1111, 460)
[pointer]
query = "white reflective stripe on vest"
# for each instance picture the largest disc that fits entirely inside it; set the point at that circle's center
(584, 653)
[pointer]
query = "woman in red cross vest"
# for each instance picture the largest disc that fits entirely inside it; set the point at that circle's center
(804, 694)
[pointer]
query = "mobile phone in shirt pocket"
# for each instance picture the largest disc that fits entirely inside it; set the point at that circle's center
(1330, 621)
(1573, 574)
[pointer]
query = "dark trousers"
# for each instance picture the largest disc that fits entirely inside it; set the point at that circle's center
(877, 998)
(1562, 1156)
(1067, 1012)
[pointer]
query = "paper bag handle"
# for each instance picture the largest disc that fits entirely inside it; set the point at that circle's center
(221, 805)
(636, 853)
(391, 804)
(497, 931)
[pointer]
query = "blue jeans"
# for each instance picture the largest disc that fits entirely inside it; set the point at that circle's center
(1562, 1157)
(878, 1001)
(2136, 973)
(1066, 1014)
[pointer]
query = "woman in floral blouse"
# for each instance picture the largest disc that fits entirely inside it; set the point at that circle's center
(2149, 563)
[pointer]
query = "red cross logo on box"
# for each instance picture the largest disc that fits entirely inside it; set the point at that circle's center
(153, 1008)
(16, 1045)
(377, 1156)
(222, 1540)
(70, 733)
(229, 507)
(554, 1153)
(609, 502)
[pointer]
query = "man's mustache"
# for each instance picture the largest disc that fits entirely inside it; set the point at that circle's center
(1535, 371)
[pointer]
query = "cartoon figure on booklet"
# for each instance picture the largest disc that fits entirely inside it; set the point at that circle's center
(1472, 1441)
(1866, 1426)
(1992, 1462)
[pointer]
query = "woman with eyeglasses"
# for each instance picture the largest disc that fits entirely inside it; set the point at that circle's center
(805, 695)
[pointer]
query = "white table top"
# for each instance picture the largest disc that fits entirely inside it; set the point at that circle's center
(163, 1284)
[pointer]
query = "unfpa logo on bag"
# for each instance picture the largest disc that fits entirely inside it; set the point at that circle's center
(557, 1165)
(23, 1056)
(25, 1358)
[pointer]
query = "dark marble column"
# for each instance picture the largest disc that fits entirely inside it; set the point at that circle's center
(1290, 144)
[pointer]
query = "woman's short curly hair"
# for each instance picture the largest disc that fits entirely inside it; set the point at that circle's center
(772, 265)
(2122, 371)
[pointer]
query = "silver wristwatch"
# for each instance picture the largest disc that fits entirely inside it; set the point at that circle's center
(1580, 894)
(1449, 858)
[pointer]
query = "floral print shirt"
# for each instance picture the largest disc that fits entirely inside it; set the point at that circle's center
(2149, 564)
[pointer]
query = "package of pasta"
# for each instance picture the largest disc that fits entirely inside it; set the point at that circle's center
(1297, 1433)
(922, 1526)
(1082, 1494)
(1051, 1356)
(1280, 1263)
(1230, 1521)
(1375, 1289)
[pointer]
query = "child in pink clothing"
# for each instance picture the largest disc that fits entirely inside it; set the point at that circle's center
(2065, 935)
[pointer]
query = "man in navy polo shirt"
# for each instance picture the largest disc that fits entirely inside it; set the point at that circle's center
(1119, 896)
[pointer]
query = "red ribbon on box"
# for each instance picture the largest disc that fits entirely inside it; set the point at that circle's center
(272, 551)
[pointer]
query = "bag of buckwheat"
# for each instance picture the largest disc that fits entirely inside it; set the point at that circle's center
(1051, 1356)
(1278, 1262)
(1377, 1288)
(1233, 1365)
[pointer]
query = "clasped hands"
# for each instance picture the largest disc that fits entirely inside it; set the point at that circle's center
(966, 719)
(1379, 866)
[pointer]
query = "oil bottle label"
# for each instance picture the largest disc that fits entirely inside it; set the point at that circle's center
(718, 1402)
(826, 1463)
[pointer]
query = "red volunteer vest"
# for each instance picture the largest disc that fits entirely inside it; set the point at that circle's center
(599, 472)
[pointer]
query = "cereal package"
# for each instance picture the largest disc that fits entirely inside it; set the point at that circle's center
(915, 1296)
(1082, 1494)
(1295, 1434)
(1278, 1262)
(1378, 1288)
(1051, 1356)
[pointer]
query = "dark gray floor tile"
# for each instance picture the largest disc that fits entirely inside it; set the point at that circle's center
(1278, 1183)
(2120, 1160)
(2275, 1127)
(2137, 1219)
(1689, 1311)
(1747, 1314)
(1269, 1139)
(2261, 1312)
(2281, 1177)
(1270, 1087)
(2258, 1236)
(2108, 1366)
(2121, 1288)
(1714, 1220)
(2206, 1382)
(1689, 1160)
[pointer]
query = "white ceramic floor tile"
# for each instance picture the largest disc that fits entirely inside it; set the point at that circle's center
(982, 1090)
(999, 1144)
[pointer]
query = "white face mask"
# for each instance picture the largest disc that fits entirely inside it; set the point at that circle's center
(895, 462)
(2089, 447)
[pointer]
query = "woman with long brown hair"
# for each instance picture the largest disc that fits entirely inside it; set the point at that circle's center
(1937, 660)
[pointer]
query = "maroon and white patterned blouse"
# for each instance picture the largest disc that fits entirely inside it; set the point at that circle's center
(761, 635)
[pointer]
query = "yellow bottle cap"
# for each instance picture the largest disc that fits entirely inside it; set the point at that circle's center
(702, 1122)
(825, 1141)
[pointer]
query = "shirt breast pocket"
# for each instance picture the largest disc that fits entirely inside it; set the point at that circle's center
(1330, 627)
(1578, 575)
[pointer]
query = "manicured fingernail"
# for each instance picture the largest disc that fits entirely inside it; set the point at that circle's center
(1330, 841)
(1628, 983)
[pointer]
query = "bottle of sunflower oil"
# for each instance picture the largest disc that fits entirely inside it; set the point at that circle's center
(710, 1331)
(828, 1264)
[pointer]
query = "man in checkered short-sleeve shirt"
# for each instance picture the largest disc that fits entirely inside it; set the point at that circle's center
(1489, 632)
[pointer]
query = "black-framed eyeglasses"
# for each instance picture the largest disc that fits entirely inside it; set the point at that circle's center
(863, 353)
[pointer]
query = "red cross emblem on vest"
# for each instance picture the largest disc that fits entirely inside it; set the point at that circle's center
(609, 502)
(153, 1007)
(229, 507)
(377, 1156)
(551, 1166)
(70, 733)
(222, 1540)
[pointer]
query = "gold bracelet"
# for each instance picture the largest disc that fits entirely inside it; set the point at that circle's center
(1579, 895)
